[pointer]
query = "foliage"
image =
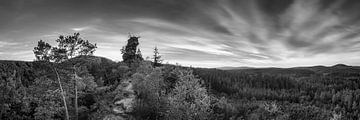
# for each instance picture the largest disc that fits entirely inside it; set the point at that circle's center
(158, 99)
(42, 51)
(302, 90)
(172, 92)
(131, 54)
(93, 86)
(299, 112)
(149, 85)
(189, 100)
(71, 46)
(13, 99)
(84, 80)
(47, 99)
(58, 55)
(68, 47)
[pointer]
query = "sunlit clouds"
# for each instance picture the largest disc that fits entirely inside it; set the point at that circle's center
(202, 33)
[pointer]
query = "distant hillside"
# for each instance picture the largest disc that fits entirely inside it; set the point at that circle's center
(339, 69)
(234, 68)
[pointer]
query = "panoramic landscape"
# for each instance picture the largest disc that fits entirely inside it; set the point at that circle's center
(179, 60)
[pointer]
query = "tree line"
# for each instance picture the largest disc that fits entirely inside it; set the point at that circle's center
(73, 45)
(337, 91)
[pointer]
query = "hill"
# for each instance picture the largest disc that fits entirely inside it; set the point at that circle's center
(234, 68)
(338, 69)
(109, 90)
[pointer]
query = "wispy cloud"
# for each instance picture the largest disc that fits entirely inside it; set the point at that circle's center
(7, 44)
(80, 29)
(200, 33)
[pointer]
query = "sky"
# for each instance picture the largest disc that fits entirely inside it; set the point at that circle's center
(200, 33)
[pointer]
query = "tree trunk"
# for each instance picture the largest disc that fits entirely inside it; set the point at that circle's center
(62, 94)
(76, 103)
(76, 95)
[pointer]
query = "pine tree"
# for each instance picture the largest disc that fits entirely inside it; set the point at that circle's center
(58, 54)
(72, 46)
(139, 55)
(42, 51)
(68, 47)
(87, 48)
(189, 100)
(157, 58)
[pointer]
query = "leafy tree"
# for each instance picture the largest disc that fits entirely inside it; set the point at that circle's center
(42, 51)
(157, 58)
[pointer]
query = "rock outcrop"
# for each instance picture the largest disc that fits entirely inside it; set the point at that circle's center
(124, 104)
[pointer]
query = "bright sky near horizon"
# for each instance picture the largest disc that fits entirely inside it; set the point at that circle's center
(201, 33)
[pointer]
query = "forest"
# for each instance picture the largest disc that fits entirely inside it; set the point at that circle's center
(67, 82)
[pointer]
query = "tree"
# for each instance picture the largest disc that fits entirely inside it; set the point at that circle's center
(130, 55)
(189, 100)
(72, 46)
(13, 98)
(157, 58)
(87, 48)
(139, 55)
(62, 94)
(42, 51)
(74, 82)
(149, 85)
(58, 54)
(83, 81)
(47, 98)
(68, 47)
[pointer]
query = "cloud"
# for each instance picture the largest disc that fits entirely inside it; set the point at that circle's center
(7, 44)
(80, 29)
(206, 48)
(200, 33)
